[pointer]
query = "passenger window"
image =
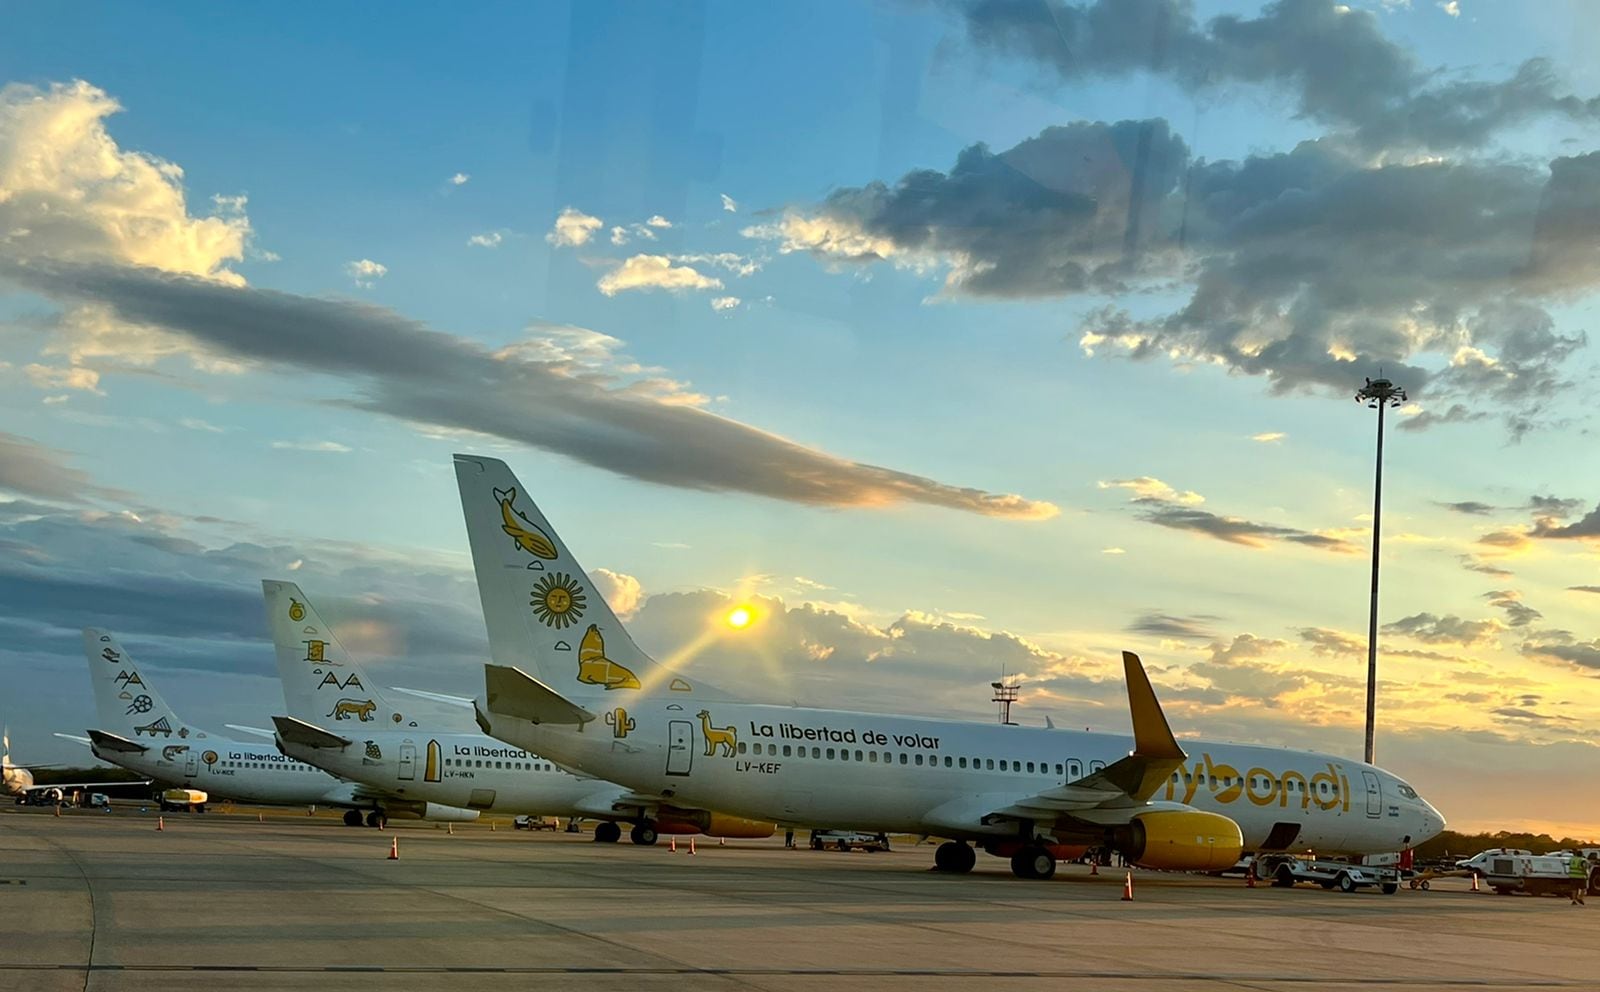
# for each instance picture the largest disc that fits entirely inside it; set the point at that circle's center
(816, 752)
(858, 755)
(873, 756)
(963, 762)
(948, 761)
(919, 759)
(902, 757)
(830, 754)
(1030, 766)
(1058, 768)
(989, 762)
(786, 752)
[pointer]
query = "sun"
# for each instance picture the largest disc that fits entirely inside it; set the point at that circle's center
(739, 617)
(558, 600)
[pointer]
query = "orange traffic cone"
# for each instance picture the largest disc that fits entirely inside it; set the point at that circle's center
(161, 823)
(691, 845)
(1250, 876)
(1094, 867)
(1127, 888)
(1475, 882)
(394, 849)
(722, 842)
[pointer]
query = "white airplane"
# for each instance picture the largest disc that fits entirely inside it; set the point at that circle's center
(139, 731)
(340, 721)
(1032, 795)
(17, 780)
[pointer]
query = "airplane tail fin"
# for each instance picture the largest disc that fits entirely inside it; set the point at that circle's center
(543, 612)
(322, 683)
(125, 695)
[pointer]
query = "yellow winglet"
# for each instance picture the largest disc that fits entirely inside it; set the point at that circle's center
(1152, 738)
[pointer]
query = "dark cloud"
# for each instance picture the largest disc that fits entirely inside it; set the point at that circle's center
(1518, 613)
(1244, 647)
(1433, 629)
(1471, 508)
(1580, 654)
(1311, 50)
(1235, 530)
(1526, 713)
(31, 469)
(1593, 589)
(1586, 528)
(1331, 642)
(1195, 628)
(1473, 564)
(1456, 413)
(538, 394)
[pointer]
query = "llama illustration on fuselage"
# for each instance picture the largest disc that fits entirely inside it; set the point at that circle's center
(725, 737)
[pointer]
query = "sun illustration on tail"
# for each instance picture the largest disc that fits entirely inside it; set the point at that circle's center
(596, 669)
(523, 531)
(558, 600)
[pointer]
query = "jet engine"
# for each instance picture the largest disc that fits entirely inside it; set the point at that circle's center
(673, 820)
(427, 811)
(1180, 840)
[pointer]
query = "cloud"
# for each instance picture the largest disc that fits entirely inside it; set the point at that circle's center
(1470, 507)
(1586, 528)
(74, 377)
(658, 221)
(739, 265)
(1458, 413)
(724, 303)
(1518, 613)
(1271, 437)
(644, 272)
(1474, 564)
(1309, 50)
(1331, 642)
(196, 424)
(622, 592)
(573, 227)
(1593, 589)
(546, 391)
(1148, 488)
(1195, 628)
(1244, 646)
(729, 203)
(1431, 629)
(324, 447)
(1585, 655)
(365, 272)
(71, 195)
(460, 179)
(1450, 7)
(31, 469)
(1113, 551)
(489, 239)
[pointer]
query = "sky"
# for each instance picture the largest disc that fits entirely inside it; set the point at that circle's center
(956, 338)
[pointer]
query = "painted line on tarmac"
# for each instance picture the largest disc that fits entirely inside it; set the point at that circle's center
(649, 970)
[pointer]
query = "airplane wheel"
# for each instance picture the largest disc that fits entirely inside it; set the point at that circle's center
(375, 819)
(944, 856)
(352, 818)
(1022, 864)
(1044, 864)
(607, 833)
(643, 834)
(967, 857)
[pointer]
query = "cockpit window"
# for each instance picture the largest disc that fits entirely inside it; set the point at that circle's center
(1406, 790)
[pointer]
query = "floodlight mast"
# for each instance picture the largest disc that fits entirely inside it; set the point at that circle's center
(1376, 394)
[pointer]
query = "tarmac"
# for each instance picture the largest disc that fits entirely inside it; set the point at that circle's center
(98, 901)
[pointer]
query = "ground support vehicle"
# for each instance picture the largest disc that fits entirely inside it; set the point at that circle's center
(1284, 871)
(844, 840)
(535, 823)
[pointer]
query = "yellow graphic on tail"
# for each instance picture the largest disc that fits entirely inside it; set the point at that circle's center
(726, 738)
(527, 536)
(596, 669)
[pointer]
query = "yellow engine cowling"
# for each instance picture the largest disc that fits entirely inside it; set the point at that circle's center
(687, 821)
(1181, 840)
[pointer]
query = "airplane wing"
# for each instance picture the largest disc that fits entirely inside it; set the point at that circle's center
(1121, 789)
(71, 786)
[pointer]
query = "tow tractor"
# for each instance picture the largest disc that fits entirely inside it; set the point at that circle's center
(1285, 870)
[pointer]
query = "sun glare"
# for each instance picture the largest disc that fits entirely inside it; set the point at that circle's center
(739, 617)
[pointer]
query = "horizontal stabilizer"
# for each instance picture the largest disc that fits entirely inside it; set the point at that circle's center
(111, 742)
(305, 734)
(437, 697)
(257, 731)
(515, 693)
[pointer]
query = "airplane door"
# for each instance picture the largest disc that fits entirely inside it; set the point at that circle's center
(680, 747)
(408, 762)
(1374, 794)
(191, 764)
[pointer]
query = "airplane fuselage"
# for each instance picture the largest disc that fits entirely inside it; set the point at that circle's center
(231, 769)
(892, 773)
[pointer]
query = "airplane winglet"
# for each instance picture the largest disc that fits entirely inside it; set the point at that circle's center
(1152, 737)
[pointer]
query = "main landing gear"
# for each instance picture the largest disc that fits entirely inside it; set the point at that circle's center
(954, 857)
(643, 833)
(1034, 861)
(607, 832)
(352, 818)
(377, 819)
